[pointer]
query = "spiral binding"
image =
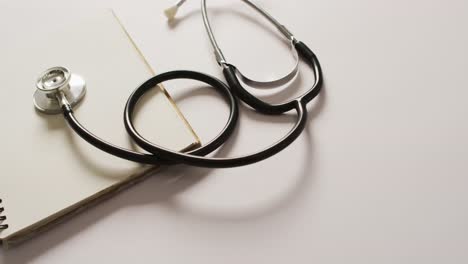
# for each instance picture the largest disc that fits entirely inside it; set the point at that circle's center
(2, 218)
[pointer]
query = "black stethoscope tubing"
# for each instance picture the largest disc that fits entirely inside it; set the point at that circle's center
(299, 104)
(151, 158)
(196, 157)
(233, 90)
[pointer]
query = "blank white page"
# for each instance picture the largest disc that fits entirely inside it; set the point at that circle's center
(46, 167)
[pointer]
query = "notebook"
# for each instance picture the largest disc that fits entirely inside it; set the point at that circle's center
(48, 173)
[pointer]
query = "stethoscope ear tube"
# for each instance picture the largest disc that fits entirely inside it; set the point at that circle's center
(307, 55)
(311, 59)
(229, 72)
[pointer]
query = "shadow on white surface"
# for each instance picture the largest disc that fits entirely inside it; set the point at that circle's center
(57, 122)
(156, 190)
(270, 207)
(160, 189)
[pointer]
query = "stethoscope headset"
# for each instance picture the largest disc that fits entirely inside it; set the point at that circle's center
(58, 90)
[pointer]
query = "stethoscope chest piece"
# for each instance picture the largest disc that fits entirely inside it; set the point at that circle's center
(55, 83)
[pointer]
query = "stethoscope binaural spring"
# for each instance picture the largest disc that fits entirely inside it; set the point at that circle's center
(58, 91)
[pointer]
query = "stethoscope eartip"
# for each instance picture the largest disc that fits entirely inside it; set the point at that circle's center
(55, 85)
(171, 12)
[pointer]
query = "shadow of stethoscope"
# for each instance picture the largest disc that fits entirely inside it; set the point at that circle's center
(264, 209)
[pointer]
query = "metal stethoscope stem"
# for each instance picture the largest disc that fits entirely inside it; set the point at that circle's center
(219, 54)
(221, 59)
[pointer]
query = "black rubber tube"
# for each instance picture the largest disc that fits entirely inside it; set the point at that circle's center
(199, 161)
(152, 158)
(307, 55)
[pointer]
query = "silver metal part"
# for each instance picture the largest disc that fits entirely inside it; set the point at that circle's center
(275, 82)
(181, 2)
(56, 86)
(223, 62)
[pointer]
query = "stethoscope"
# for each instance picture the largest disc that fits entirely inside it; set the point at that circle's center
(59, 90)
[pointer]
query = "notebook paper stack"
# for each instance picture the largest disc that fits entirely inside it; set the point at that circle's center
(48, 172)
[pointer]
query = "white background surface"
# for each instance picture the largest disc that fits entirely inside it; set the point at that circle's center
(379, 176)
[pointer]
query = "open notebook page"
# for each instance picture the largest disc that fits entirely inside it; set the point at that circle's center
(47, 170)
